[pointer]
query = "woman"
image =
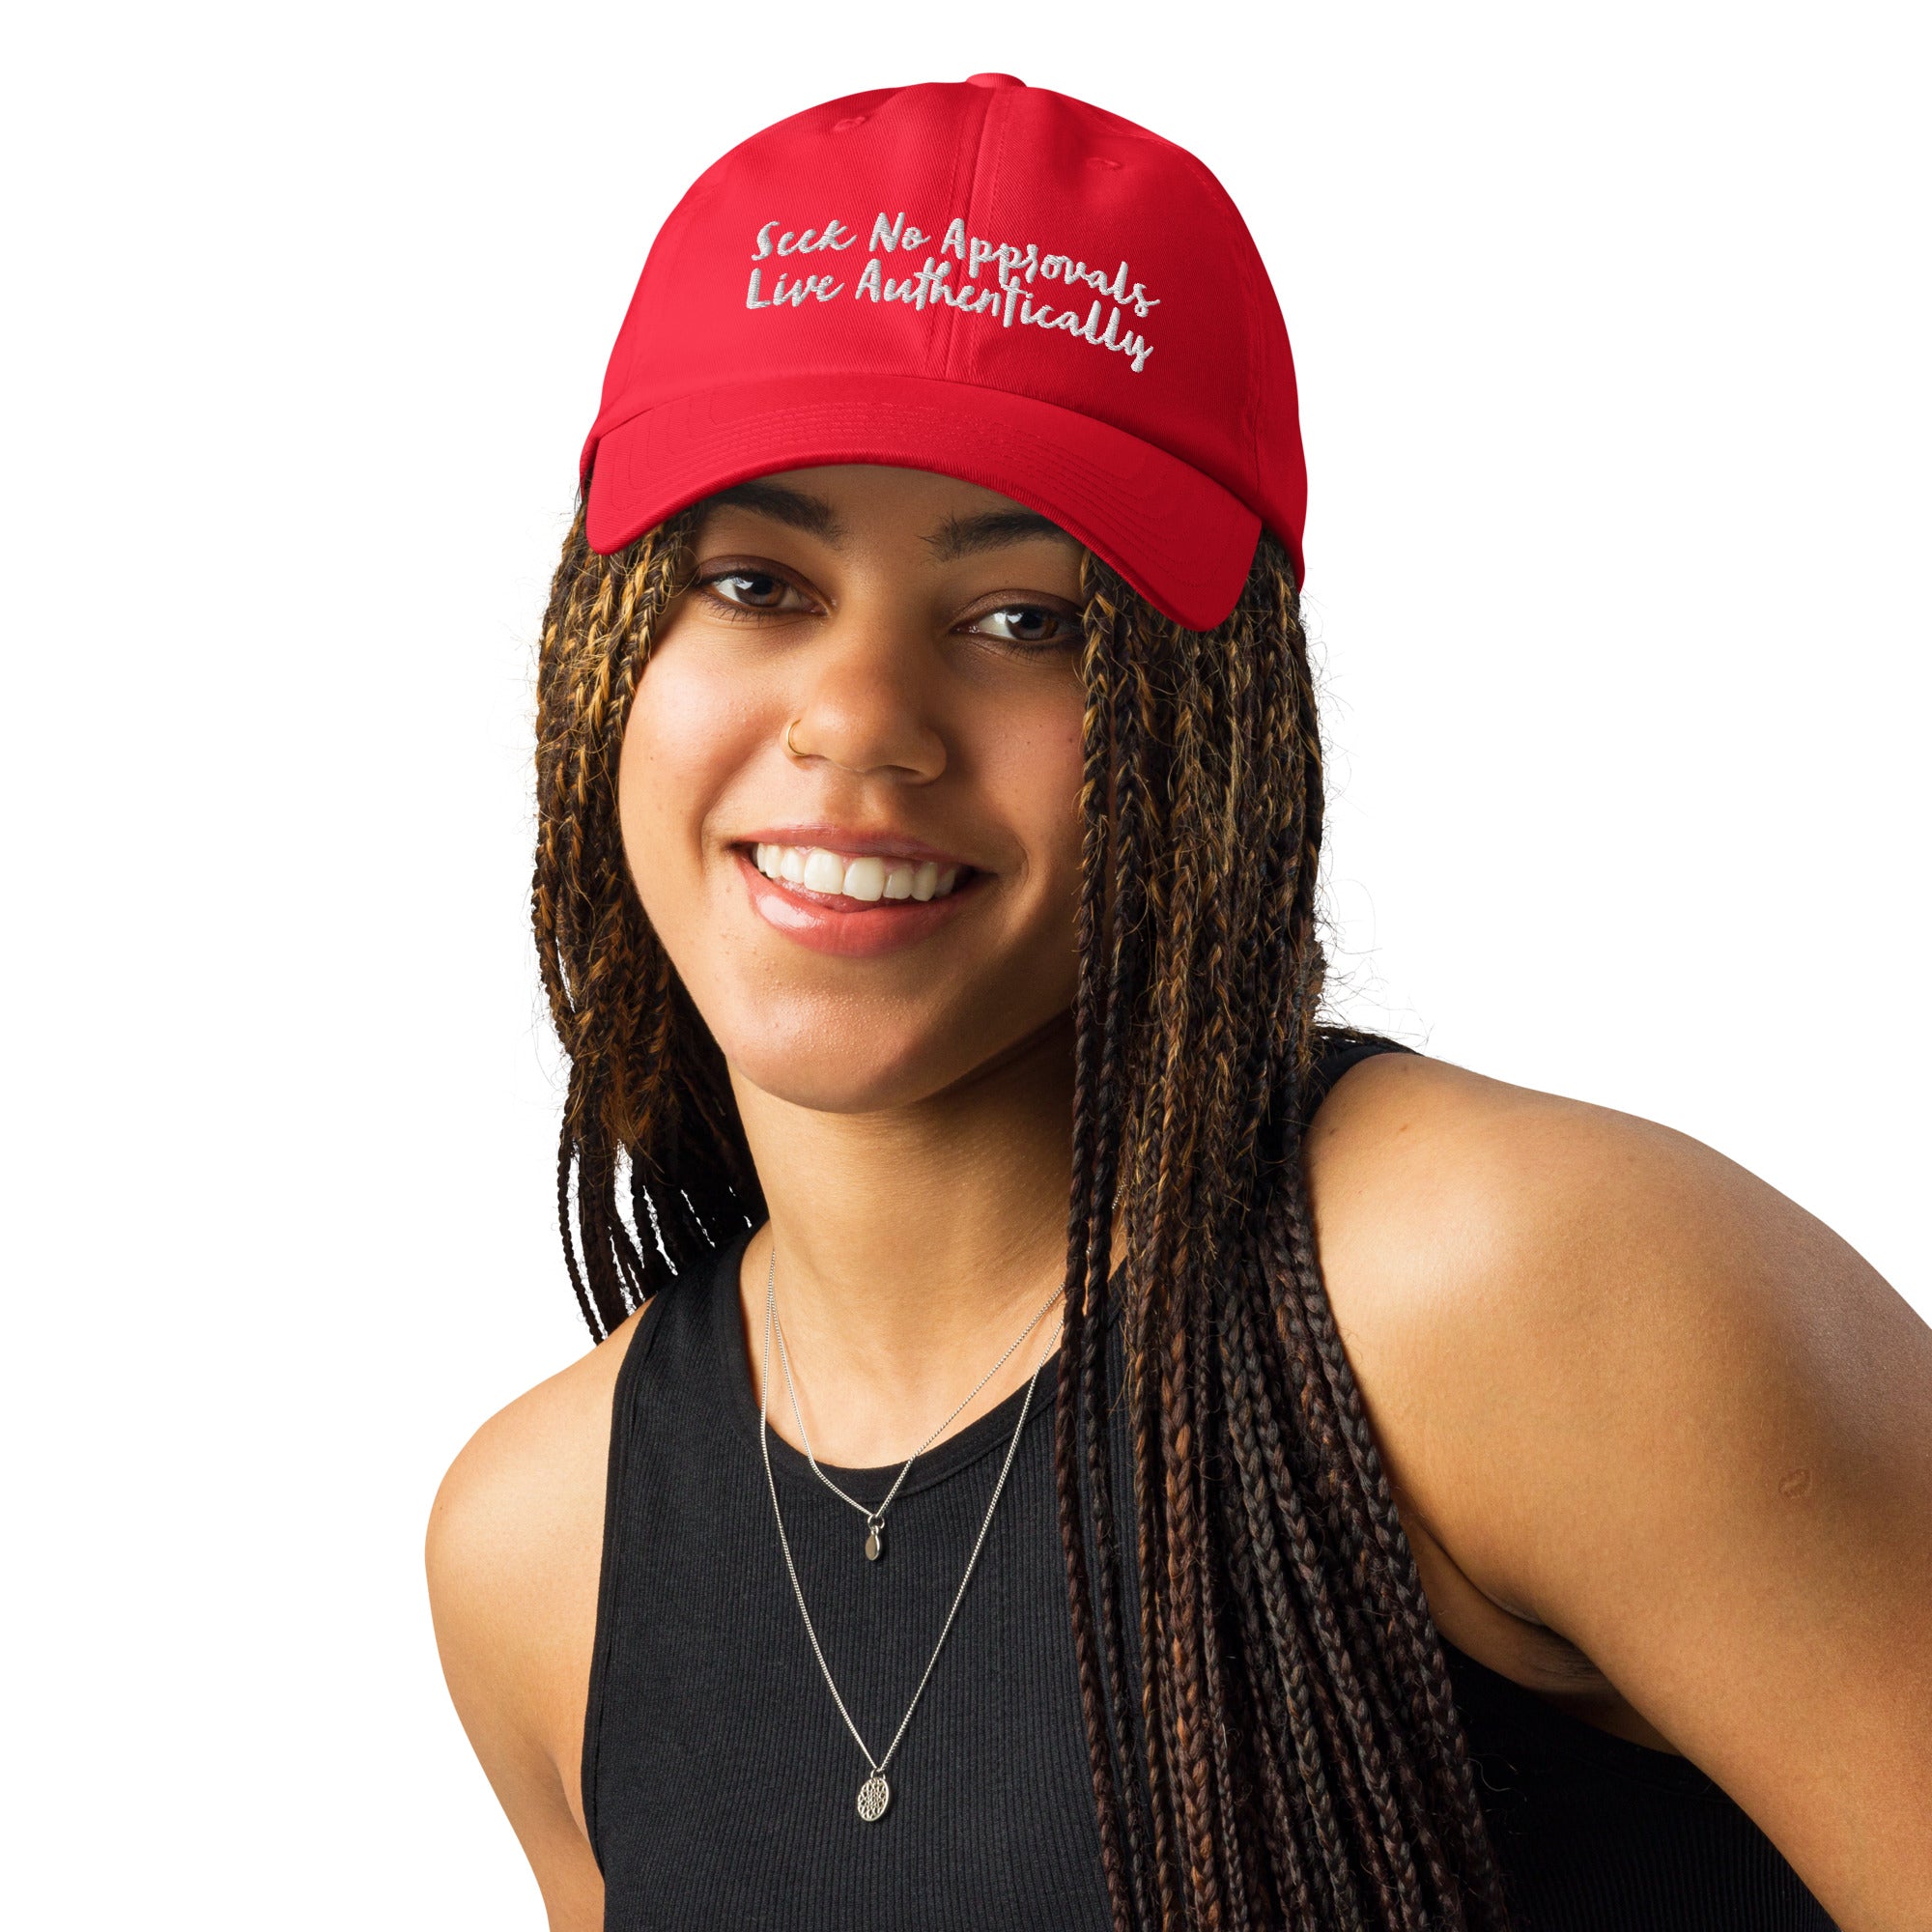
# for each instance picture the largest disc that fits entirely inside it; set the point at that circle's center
(1075, 1442)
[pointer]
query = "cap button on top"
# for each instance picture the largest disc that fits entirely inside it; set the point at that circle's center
(994, 80)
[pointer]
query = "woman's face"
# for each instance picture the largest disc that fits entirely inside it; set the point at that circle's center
(867, 917)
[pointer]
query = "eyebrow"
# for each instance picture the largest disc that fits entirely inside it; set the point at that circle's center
(992, 529)
(796, 508)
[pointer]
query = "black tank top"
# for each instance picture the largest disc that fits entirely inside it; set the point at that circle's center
(720, 1783)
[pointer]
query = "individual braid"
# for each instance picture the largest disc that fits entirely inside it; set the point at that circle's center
(1099, 923)
(1279, 1744)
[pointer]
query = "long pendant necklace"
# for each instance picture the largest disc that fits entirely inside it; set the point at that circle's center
(874, 1794)
(875, 1518)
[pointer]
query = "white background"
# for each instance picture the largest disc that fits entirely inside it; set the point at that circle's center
(1613, 326)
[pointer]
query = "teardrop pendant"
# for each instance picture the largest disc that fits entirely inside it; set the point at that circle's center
(874, 1544)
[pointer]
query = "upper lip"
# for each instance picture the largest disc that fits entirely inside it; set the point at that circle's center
(853, 844)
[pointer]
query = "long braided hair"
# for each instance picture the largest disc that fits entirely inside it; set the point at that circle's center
(1287, 1751)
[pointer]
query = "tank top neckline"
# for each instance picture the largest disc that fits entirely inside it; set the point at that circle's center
(1504, 1703)
(986, 1435)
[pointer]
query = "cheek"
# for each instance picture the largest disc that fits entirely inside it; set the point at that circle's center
(688, 733)
(1034, 766)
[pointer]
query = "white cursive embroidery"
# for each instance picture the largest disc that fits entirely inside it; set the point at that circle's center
(833, 235)
(1016, 271)
(895, 234)
(821, 287)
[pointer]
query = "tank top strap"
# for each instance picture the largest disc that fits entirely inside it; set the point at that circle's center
(1336, 1050)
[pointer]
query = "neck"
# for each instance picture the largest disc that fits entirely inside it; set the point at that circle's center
(912, 1246)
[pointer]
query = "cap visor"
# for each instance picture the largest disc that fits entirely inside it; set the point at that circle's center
(1182, 540)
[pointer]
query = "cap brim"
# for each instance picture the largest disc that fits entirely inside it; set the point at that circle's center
(1182, 540)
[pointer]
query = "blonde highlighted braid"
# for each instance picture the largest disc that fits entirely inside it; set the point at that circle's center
(1289, 1752)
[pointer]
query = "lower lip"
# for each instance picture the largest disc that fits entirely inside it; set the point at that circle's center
(849, 928)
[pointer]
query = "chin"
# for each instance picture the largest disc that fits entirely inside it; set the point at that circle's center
(874, 1055)
(829, 1081)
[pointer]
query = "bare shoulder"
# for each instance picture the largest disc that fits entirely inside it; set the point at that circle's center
(1479, 1242)
(1637, 1401)
(513, 1552)
(514, 1498)
(1496, 1255)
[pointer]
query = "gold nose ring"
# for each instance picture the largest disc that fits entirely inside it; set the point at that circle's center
(788, 745)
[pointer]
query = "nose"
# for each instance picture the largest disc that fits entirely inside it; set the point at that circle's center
(864, 710)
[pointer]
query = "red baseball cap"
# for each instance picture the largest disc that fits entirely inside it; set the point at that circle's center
(984, 279)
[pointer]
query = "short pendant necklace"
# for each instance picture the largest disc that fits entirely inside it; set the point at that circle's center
(874, 1794)
(875, 1518)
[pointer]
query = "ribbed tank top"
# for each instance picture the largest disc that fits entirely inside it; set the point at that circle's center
(720, 1783)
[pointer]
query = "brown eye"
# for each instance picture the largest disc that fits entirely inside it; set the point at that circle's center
(754, 590)
(1025, 624)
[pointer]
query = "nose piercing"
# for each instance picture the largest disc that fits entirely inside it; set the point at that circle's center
(788, 745)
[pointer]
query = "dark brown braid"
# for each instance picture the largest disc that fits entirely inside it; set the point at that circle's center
(1288, 1752)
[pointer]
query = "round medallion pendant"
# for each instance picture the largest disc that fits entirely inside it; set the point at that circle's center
(873, 1796)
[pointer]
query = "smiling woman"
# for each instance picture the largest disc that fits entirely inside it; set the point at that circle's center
(793, 646)
(1075, 1441)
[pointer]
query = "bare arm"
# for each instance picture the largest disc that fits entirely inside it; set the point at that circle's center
(1645, 1402)
(514, 1550)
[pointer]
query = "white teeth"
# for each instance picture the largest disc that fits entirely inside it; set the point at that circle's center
(866, 878)
(823, 873)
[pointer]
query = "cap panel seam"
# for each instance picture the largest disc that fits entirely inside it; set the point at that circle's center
(995, 186)
(992, 98)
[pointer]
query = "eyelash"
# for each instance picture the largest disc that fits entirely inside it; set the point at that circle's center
(737, 610)
(1068, 627)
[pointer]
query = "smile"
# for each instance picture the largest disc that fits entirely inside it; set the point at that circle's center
(865, 878)
(855, 905)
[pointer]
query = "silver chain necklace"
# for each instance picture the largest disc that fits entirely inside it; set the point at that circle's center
(875, 1518)
(874, 1794)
